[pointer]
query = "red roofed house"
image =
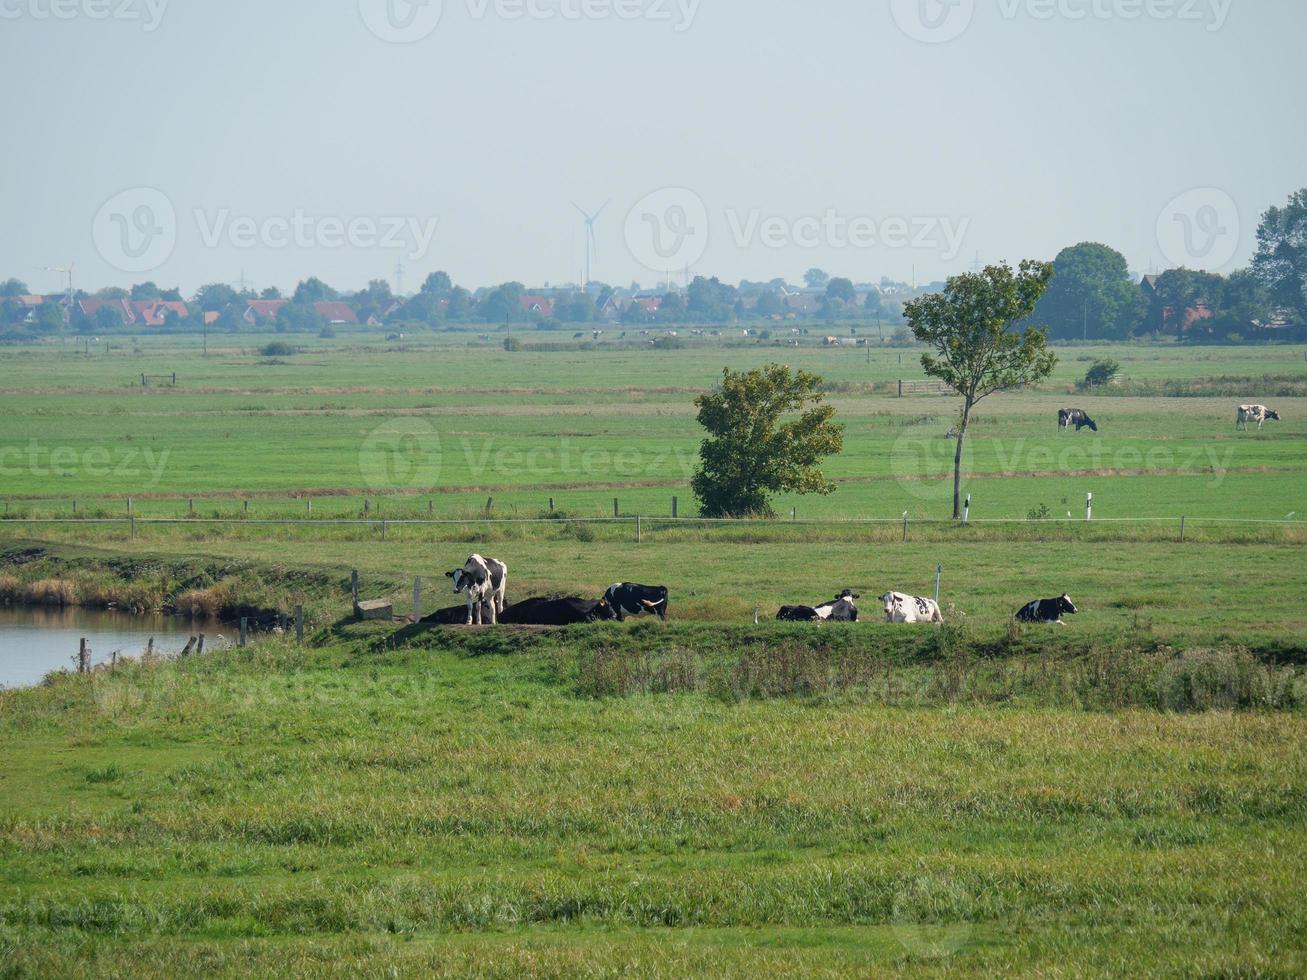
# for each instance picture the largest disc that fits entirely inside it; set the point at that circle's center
(336, 312)
(263, 311)
(154, 312)
(90, 307)
(539, 305)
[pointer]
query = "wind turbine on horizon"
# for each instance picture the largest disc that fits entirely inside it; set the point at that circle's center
(591, 251)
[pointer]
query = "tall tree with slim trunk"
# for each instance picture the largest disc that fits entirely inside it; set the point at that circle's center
(971, 346)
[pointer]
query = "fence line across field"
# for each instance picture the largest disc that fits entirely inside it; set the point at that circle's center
(631, 520)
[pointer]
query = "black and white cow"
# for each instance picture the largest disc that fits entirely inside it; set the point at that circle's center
(485, 583)
(1047, 610)
(903, 608)
(557, 612)
(1255, 413)
(1078, 417)
(797, 614)
(453, 616)
(628, 599)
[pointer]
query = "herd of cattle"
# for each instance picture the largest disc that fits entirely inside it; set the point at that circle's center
(483, 582)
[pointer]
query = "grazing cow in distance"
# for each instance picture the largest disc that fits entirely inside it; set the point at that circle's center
(1074, 416)
(1047, 610)
(485, 583)
(628, 599)
(1255, 413)
(557, 612)
(903, 608)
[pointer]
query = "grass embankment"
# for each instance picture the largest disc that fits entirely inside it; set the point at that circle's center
(468, 803)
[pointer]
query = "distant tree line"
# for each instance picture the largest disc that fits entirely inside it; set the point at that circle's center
(1092, 296)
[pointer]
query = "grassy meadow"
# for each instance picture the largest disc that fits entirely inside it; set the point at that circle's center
(1126, 795)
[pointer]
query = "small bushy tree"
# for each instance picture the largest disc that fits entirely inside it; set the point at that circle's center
(750, 453)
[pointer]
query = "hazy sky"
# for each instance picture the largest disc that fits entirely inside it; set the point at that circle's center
(187, 141)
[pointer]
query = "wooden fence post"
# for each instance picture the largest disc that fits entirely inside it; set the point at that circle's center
(615, 509)
(247, 507)
(905, 527)
(675, 507)
(551, 505)
(900, 383)
(1182, 530)
(129, 505)
(1089, 507)
(84, 657)
(490, 504)
(637, 529)
(299, 624)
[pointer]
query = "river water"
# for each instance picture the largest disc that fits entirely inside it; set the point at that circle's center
(34, 642)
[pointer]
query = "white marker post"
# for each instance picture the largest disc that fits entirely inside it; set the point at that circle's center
(1089, 507)
(939, 577)
(966, 510)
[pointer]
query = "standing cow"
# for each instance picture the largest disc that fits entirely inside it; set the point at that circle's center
(628, 599)
(485, 583)
(1047, 610)
(902, 608)
(1078, 417)
(1254, 413)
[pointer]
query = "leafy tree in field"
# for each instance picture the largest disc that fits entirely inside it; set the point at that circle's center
(424, 307)
(438, 284)
(816, 278)
(1281, 260)
(215, 297)
(231, 317)
(49, 318)
(271, 292)
(300, 318)
(671, 308)
(146, 290)
(374, 300)
(314, 290)
(769, 304)
(575, 308)
(1101, 373)
(1179, 292)
(750, 453)
(512, 344)
(109, 317)
(1247, 304)
(460, 304)
(13, 287)
(841, 289)
(11, 311)
(1092, 295)
(710, 300)
(503, 304)
(872, 303)
(970, 346)
(112, 292)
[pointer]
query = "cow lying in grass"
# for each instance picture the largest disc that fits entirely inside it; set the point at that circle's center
(629, 599)
(903, 608)
(557, 612)
(1047, 610)
(841, 609)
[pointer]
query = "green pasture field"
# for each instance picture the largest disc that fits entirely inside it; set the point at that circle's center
(1125, 795)
(438, 427)
(372, 809)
